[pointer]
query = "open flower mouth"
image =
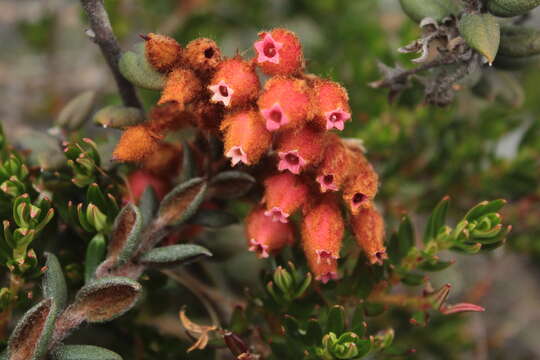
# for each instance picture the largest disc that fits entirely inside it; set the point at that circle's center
(327, 183)
(326, 277)
(277, 215)
(380, 256)
(292, 161)
(221, 92)
(237, 154)
(267, 49)
(258, 248)
(275, 117)
(324, 256)
(358, 199)
(336, 119)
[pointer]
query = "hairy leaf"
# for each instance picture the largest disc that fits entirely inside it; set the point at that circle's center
(167, 256)
(54, 282)
(83, 352)
(182, 202)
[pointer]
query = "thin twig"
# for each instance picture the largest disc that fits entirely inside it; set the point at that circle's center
(103, 36)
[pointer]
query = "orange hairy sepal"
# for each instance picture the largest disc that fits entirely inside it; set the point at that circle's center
(332, 105)
(322, 230)
(202, 55)
(182, 86)
(165, 160)
(136, 143)
(362, 182)
(331, 173)
(368, 228)
(162, 52)
(285, 103)
(235, 83)
(245, 137)
(266, 237)
(284, 194)
(279, 52)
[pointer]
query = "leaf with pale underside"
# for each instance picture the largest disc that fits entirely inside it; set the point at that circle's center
(31, 337)
(173, 255)
(83, 352)
(126, 234)
(181, 203)
(54, 282)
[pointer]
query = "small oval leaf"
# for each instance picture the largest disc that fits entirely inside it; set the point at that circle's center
(105, 299)
(118, 116)
(173, 255)
(135, 67)
(54, 282)
(182, 202)
(31, 337)
(95, 253)
(435, 9)
(231, 184)
(509, 8)
(126, 234)
(73, 115)
(83, 352)
(482, 33)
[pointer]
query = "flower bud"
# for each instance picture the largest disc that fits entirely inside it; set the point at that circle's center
(162, 52)
(246, 138)
(265, 236)
(330, 173)
(139, 180)
(235, 83)
(136, 143)
(285, 103)
(202, 55)
(279, 52)
(322, 232)
(181, 86)
(368, 228)
(284, 194)
(166, 160)
(332, 103)
(361, 184)
(169, 117)
(298, 149)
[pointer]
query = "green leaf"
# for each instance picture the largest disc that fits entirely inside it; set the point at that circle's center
(181, 203)
(405, 236)
(336, 320)
(214, 219)
(436, 220)
(173, 255)
(54, 282)
(509, 8)
(314, 332)
(358, 325)
(95, 253)
(231, 184)
(482, 33)
(105, 299)
(77, 110)
(83, 352)
(483, 208)
(118, 116)
(126, 234)
(519, 41)
(291, 327)
(135, 68)
(189, 163)
(148, 205)
(30, 338)
(435, 9)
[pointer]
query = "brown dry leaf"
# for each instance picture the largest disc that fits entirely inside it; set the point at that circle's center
(202, 331)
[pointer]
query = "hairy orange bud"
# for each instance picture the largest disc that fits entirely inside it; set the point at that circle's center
(332, 103)
(202, 55)
(235, 83)
(246, 138)
(361, 184)
(368, 228)
(284, 194)
(279, 52)
(208, 116)
(322, 231)
(331, 174)
(162, 52)
(166, 160)
(136, 143)
(264, 236)
(169, 117)
(285, 103)
(181, 86)
(298, 149)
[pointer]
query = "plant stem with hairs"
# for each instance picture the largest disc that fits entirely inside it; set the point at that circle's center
(103, 36)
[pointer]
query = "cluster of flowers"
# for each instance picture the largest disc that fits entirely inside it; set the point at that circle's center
(289, 122)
